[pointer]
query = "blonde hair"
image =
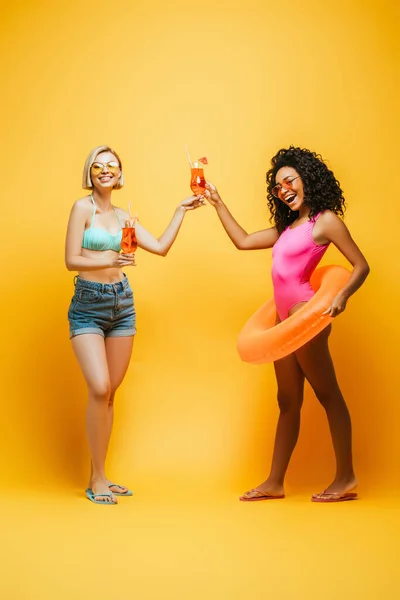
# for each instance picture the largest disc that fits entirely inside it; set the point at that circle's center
(87, 180)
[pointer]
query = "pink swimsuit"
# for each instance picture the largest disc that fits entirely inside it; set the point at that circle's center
(295, 257)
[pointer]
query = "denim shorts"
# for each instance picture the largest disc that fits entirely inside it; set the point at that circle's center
(103, 308)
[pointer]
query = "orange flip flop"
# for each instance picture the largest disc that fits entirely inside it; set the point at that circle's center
(261, 496)
(330, 497)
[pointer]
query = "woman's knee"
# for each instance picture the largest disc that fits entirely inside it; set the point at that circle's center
(327, 397)
(289, 401)
(100, 390)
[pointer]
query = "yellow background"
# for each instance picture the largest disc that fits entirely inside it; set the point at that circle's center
(235, 81)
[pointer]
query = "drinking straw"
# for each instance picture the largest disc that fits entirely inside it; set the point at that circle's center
(188, 155)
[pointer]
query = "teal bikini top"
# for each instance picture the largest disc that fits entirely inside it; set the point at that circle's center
(96, 238)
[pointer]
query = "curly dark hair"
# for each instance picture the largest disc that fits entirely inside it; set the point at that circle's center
(321, 188)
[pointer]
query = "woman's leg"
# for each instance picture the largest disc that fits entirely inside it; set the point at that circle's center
(90, 351)
(316, 363)
(290, 381)
(118, 354)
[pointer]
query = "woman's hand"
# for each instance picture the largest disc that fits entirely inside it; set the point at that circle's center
(212, 194)
(338, 305)
(191, 203)
(123, 260)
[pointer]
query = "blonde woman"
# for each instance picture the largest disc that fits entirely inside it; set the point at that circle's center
(102, 312)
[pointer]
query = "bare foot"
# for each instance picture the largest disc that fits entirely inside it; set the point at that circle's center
(118, 489)
(101, 492)
(338, 488)
(265, 490)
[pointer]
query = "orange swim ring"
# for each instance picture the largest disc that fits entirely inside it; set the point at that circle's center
(261, 341)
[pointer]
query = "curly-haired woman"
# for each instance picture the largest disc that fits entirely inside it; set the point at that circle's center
(306, 203)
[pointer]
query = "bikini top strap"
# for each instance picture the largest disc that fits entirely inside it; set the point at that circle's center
(94, 209)
(119, 221)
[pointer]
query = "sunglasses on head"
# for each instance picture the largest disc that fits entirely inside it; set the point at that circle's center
(112, 166)
(287, 185)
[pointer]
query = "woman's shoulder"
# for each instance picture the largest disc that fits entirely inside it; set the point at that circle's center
(82, 208)
(329, 217)
(329, 224)
(83, 203)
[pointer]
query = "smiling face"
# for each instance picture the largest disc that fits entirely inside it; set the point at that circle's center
(105, 171)
(289, 188)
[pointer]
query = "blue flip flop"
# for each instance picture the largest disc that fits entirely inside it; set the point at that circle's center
(127, 493)
(92, 497)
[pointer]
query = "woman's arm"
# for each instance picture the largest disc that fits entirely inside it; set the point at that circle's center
(258, 240)
(330, 228)
(73, 245)
(162, 244)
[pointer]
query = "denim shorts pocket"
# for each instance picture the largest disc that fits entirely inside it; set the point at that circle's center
(129, 293)
(85, 296)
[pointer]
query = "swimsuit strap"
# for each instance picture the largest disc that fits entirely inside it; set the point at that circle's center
(120, 224)
(94, 210)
